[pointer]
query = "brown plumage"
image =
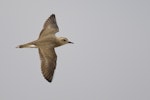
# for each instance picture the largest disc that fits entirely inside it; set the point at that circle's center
(46, 43)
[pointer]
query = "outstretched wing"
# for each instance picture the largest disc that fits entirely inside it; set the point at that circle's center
(48, 62)
(49, 27)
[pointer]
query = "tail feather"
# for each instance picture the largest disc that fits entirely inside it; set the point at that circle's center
(28, 45)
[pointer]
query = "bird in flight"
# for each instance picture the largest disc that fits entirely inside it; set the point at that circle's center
(46, 44)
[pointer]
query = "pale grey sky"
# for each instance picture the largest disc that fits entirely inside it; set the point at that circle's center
(110, 59)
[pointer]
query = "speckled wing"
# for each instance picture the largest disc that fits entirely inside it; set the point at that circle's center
(49, 27)
(48, 62)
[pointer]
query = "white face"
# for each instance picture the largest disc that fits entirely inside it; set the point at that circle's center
(64, 40)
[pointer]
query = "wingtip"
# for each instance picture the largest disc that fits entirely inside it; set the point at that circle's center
(49, 80)
(53, 15)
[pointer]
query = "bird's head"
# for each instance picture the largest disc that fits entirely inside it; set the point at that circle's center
(63, 40)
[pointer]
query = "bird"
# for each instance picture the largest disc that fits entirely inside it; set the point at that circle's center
(46, 44)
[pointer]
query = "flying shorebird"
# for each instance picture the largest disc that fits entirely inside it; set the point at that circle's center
(46, 43)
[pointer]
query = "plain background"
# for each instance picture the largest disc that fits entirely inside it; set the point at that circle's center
(110, 59)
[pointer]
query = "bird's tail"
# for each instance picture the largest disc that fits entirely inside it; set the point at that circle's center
(27, 45)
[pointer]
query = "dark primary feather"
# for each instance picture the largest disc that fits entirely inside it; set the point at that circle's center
(49, 27)
(47, 55)
(48, 62)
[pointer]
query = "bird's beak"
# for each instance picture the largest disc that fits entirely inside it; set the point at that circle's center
(71, 42)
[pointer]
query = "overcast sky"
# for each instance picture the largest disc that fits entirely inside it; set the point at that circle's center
(110, 59)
